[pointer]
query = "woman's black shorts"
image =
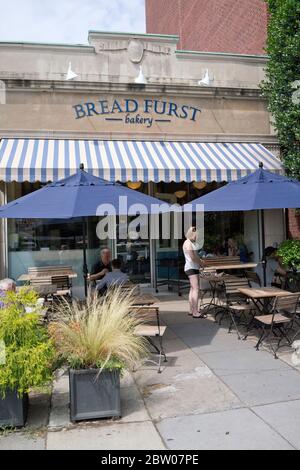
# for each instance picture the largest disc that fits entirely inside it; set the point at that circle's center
(192, 272)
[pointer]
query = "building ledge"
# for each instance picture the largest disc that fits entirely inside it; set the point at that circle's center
(222, 56)
(187, 89)
(50, 46)
(123, 36)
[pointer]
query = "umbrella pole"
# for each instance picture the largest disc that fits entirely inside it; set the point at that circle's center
(263, 238)
(85, 266)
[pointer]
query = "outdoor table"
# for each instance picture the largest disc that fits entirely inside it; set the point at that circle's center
(231, 267)
(31, 277)
(263, 295)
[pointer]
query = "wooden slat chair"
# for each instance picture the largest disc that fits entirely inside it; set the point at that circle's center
(64, 287)
(279, 321)
(130, 288)
(253, 279)
(152, 330)
(210, 284)
(296, 325)
(237, 305)
(40, 282)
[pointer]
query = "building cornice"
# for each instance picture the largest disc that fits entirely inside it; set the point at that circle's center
(222, 56)
(164, 38)
(271, 140)
(47, 46)
(19, 85)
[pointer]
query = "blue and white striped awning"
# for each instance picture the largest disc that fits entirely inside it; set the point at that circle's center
(51, 160)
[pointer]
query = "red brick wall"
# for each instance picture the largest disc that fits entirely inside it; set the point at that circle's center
(238, 26)
(294, 224)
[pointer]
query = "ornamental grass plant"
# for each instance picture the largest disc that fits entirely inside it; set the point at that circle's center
(99, 334)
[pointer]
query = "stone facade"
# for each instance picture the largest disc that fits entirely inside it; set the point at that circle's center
(40, 103)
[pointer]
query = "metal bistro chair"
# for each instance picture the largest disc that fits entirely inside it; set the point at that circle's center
(236, 304)
(253, 279)
(64, 286)
(151, 330)
(211, 285)
(129, 288)
(295, 327)
(279, 321)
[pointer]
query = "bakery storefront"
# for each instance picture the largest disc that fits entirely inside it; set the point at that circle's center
(166, 136)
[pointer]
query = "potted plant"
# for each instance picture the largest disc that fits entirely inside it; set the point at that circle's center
(289, 252)
(97, 340)
(27, 355)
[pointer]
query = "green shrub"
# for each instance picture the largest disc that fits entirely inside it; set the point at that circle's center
(289, 252)
(29, 351)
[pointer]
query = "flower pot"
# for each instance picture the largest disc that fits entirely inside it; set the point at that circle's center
(94, 396)
(13, 410)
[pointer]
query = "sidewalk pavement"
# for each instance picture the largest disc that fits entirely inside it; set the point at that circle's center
(215, 392)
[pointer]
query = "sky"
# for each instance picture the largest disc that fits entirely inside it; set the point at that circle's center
(68, 21)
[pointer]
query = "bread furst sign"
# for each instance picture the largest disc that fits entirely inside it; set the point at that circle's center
(133, 112)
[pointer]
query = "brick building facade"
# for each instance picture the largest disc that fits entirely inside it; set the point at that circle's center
(236, 26)
(294, 224)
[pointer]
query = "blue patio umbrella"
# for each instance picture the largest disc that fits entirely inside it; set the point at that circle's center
(80, 196)
(260, 191)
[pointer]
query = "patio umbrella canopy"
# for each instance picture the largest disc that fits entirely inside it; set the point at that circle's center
(80, 196)
(259, 191)
(77, 196)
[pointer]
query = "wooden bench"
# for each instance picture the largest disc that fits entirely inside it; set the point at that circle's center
(58, 276)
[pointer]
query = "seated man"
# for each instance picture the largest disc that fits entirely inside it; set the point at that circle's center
(274, 269)
(101, 268)
(6, 285)
(115, 278)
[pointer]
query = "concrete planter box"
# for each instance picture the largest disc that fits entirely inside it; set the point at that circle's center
(94, 397)
(13, 410)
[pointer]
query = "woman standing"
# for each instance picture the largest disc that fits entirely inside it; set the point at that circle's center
(192, 270)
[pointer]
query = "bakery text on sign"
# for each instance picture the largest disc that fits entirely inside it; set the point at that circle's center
(131, 111)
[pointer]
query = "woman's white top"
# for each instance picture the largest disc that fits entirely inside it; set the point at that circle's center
(189, 263)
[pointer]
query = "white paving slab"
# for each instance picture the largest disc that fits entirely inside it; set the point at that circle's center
(284, 418)
(233, 362)
(265, 387)
(132, 436)
(230, 430)
(22, 441)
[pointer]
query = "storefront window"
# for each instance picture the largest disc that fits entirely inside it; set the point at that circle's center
(135, 252)
(49, 242)
(57, 242)
(60, 242)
